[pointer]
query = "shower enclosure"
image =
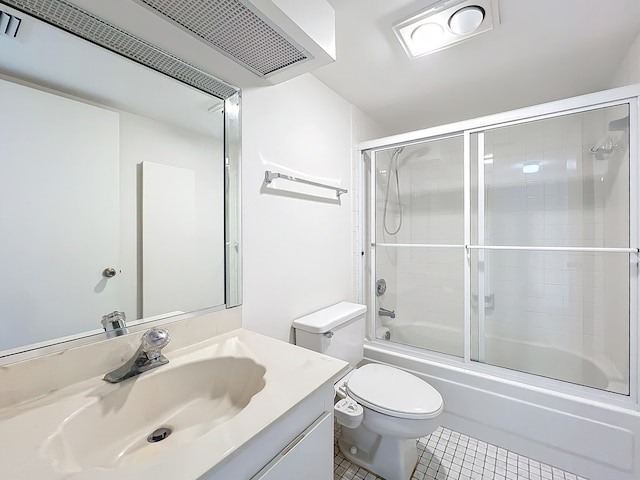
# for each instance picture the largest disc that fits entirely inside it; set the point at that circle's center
(509, 243)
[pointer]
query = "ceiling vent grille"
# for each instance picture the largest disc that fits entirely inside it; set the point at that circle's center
(234, 30)
(85, 25)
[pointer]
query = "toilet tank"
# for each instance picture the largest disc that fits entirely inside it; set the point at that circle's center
(337, 331)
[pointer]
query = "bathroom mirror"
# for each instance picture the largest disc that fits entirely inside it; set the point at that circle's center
(120, 191)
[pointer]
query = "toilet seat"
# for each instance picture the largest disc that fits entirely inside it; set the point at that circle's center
(394, 392)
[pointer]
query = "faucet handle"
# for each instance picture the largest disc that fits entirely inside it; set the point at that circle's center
(114, 324)
(154, 340)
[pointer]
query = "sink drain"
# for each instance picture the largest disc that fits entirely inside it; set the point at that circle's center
(158, 435)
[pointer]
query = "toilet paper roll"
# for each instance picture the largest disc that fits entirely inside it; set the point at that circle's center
(383, 333)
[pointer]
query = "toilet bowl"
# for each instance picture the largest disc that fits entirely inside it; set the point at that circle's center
(383, 410)
(397, 408)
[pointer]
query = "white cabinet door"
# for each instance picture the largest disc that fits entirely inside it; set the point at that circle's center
(308, 456)
(59, 214)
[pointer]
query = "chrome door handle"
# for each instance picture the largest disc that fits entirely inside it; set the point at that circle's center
(109, 272)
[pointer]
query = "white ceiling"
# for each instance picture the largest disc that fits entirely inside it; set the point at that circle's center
(542, 50)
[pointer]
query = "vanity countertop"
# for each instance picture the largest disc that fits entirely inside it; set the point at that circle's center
(291, 374)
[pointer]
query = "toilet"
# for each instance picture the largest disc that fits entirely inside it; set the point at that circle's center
(382, 410)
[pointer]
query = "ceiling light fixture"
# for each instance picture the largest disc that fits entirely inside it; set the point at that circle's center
(445, 24)
(427, 35)
(466, 20)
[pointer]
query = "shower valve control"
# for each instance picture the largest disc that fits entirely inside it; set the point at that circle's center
(381, 287)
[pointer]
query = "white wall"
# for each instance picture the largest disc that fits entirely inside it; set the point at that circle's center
(300, 250)
(628, 71)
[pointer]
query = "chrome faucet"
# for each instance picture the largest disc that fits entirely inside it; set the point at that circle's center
(147, 357)
(383, 312)
(115, 324)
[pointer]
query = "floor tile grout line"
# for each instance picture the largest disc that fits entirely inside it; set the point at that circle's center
(440, 448)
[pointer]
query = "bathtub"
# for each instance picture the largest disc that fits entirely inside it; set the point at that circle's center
(592, 433)
(529, 357)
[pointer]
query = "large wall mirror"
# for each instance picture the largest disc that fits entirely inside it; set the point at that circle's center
(119, 190)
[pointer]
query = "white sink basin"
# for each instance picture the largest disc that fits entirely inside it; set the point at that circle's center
(112, 429)
(224, 397)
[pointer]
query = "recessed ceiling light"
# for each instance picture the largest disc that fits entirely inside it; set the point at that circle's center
(530, 167)
(466, 20)
(444, 24)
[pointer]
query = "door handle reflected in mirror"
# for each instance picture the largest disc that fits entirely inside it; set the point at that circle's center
(109, 272)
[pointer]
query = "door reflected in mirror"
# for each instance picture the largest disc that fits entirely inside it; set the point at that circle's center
(113, 195)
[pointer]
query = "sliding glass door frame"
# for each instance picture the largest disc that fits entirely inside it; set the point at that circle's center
(474, 130)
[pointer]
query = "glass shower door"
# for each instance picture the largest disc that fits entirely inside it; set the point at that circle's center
(419, 244)
(550, 249)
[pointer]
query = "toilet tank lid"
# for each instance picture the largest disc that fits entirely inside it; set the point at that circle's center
(324, 320)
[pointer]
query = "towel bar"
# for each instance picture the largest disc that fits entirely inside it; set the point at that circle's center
(269, 176)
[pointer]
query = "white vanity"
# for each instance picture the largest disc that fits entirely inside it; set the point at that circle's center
(238, 405)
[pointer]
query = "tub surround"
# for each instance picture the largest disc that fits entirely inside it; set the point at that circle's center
(568, 365)
(39, 394)
(585, 436)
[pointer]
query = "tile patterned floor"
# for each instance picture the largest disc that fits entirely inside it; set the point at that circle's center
(449, 455)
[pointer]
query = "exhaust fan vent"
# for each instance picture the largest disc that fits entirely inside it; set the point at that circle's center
(234, 30)
(9, 24)
(85, 25)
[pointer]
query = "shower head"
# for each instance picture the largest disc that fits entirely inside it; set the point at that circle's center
(608, 146)
(397, 151)
(604, 149)
(413, 151)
